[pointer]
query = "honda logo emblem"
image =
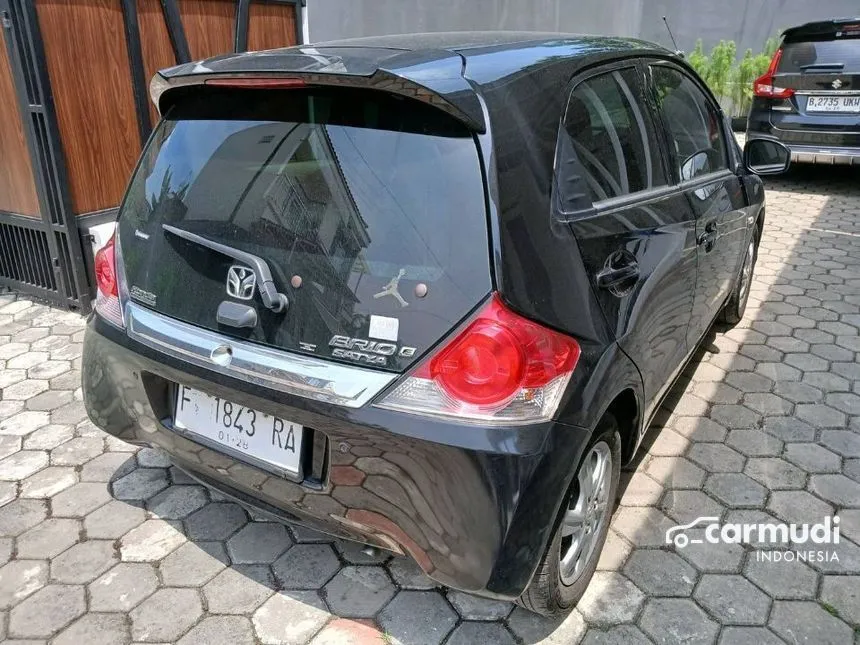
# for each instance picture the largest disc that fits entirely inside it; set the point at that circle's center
(241, 282)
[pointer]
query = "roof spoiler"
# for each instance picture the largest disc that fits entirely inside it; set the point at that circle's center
(434, 77)
(823, 27)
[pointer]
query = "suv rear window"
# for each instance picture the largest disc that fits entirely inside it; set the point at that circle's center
(359, 196)
(827, 56)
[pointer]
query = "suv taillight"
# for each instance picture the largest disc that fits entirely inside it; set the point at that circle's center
(501, 368)
(763, 86)
(107, 284)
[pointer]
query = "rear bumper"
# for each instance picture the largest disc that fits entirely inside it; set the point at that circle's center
(807, 145)
(827, 156)
(474, 506)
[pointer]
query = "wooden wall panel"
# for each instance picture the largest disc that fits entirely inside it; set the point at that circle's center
(154, 43)
(88, 65)
(17, 186)
(271, 25)
(209, 26)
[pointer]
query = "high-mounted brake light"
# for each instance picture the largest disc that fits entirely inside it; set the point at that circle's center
(763, 86)
(501, 368)
(107, 284)
(250, 82)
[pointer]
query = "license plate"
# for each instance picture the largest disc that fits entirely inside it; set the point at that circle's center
(833, 104)
(247, 433)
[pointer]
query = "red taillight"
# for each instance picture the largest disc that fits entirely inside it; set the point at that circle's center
(106, 269)
(763, 86)
(500, 367)
(262, 83)
(107, 283)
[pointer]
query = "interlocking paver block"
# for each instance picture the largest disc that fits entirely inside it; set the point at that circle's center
(358, 631)
(150, 541)
(808, 622)
(140, 484)
(177, 502)
(748, 635)
(166, 615)
(844, 442)
(775, 474)
(259, 542)
(610, 599)
(660, 573)
(417, 617)
(408, 575)
(107, 467)
(235, 630)
(239, 589)
(359, 591)
(783, 580)
(290, 618)
(21, 578)
(732, 599)
(95, 629)
(22, 464)
(215, 521)
(113, 520)
(193, 564)
(47, 611)
(736, 490)
(123, 587)
(470, 633)
(48, 539)
(306, 566)
(677, 620)
(472, 607)
(84, 562)
(842, 593)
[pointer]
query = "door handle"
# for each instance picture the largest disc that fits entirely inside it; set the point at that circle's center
(620, 268)
(709, 237)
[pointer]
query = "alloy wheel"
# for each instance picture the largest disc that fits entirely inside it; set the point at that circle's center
(584, 520)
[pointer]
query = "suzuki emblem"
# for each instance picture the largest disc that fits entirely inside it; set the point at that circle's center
(836, 84)
(241, 282)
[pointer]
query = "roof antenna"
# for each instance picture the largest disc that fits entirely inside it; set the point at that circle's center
(677, 51)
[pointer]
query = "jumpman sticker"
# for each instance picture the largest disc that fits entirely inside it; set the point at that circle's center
(391, 289)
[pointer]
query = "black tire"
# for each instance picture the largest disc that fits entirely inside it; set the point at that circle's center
(736, 305)
(547, 594)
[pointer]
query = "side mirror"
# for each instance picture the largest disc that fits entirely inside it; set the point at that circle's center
(766, 157)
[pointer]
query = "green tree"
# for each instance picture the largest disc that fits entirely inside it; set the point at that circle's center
(722, 62)
(698, 60)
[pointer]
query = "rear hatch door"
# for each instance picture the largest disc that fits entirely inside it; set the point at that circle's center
(368, 210)
(824, 71)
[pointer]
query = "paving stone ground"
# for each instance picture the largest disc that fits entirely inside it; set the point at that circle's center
(101, 542)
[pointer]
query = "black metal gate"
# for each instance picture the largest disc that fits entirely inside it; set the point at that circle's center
(40, 256)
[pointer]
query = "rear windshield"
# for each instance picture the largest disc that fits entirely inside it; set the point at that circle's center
(362, 199)
(825, 56)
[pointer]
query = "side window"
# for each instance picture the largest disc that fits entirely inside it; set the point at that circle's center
(612, 148)
(692, 124)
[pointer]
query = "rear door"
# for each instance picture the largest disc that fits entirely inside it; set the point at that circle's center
(823, 69)
(635, 231)
(699, 159)
(367, 210)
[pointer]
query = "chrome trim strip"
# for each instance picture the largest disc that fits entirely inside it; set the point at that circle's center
(827, 93)
(305, 376)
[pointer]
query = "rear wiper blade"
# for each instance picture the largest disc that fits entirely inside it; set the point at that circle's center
(269, 294)
(805, 68)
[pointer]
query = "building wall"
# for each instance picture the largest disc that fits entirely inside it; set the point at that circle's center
(748, 22)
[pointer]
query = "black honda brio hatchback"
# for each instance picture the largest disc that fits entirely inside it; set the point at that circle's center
(425, 292)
